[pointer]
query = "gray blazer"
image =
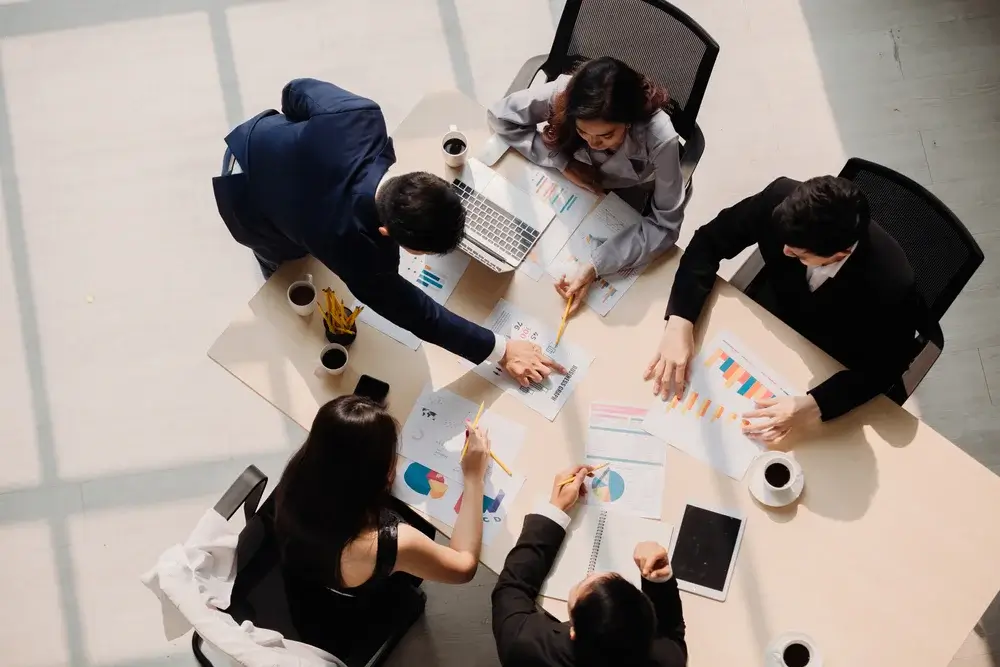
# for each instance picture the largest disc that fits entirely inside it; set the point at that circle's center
(651, 153)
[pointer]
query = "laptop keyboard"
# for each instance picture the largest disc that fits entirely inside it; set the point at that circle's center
(509, 234)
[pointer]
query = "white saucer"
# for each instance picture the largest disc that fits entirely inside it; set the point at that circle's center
(772, 658)
(763, 493)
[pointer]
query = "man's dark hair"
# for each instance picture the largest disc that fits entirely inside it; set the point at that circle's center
(614, 623)
(824, 215)
(421, 212)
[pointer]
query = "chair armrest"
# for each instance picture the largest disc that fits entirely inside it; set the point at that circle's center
(246, 491)
(527, 74)
(920, 366)
(745, 274)
(694, 148)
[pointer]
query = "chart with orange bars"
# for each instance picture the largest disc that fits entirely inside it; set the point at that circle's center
(706, 421)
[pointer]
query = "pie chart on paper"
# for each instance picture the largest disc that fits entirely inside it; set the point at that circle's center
(425, 481)
(608, 487)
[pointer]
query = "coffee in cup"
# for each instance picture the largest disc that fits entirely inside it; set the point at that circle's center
(302, 295)
(778, 475)
(796, 654)
(454, 147)
(333, 358)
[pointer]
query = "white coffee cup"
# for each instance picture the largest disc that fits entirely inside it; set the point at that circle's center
(793, 649)
(302, 309)
(454, 160)
(779, 474)
(331, 348)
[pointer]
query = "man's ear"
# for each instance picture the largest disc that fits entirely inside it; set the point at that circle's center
(572, 633)
(384, 231)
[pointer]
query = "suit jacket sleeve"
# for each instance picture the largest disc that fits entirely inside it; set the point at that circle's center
(734, 229)
(657, 231)
(666, 600)
(517, 622)
(403, 304)
(887, 355)
(515, 119)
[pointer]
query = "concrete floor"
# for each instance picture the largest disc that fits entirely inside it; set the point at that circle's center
(116, 274)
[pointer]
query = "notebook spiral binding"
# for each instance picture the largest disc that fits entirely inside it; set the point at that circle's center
(598, 538)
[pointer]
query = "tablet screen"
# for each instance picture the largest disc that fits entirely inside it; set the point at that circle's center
(705, 547)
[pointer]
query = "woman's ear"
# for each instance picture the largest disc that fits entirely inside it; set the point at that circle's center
(572, 633)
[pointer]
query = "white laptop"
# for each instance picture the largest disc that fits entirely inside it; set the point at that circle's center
(502, 222)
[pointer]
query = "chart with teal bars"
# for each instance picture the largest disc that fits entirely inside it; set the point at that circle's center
(725, 382)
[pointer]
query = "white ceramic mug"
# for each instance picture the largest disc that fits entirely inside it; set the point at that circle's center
(303, 309)
(454, 160)
(329, 348)
(783, 463)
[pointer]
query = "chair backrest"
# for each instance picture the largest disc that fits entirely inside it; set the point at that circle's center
(940, 249)
(650, 36)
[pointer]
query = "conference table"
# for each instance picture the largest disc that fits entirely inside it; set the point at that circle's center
(888, 557)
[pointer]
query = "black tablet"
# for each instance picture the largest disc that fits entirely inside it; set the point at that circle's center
(704, 552)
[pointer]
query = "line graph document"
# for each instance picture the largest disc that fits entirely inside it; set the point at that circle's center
(610, 217)
(705, 422)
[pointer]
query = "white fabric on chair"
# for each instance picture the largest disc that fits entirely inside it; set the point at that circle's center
(194, 582)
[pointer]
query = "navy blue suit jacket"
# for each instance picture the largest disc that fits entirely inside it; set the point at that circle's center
(308, 187)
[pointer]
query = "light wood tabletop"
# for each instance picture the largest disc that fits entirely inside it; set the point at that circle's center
(888, 558)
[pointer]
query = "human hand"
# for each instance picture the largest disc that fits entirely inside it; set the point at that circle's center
(583, 175)
(669, 365)
(526, 363)
(779, 416)
(565, 496)
(577, 288)
(652, 561)
(477, 454)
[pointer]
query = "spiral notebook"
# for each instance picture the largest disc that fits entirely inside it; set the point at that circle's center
(601, 541)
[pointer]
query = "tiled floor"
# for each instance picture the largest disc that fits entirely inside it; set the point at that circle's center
(116, 274)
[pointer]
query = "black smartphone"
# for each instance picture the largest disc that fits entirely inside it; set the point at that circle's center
(372, 388)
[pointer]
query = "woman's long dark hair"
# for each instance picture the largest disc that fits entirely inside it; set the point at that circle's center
(335, 486)
(601, 89)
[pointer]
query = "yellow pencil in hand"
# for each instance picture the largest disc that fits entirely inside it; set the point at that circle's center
(475, 423)
(562, 324)
(589, 474)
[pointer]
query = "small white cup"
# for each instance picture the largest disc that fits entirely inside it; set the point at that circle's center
(454, 160)
(774, 467)
(302, 309)
(328, 348)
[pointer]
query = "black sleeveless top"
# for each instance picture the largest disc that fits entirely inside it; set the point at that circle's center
(387, 548)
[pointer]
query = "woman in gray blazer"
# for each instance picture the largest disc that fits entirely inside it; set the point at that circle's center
(606, 130)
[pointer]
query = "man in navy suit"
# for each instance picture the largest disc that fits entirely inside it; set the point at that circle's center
(310, 181)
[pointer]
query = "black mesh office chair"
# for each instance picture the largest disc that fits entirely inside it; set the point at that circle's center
(651, 36)
(261, 593)
(940, 250)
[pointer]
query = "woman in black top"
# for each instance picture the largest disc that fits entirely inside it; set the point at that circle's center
(335, 520)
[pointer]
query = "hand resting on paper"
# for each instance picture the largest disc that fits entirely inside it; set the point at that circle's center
(775, 418)
(577, 288)
(526, 363)
(652, 560)
(669, 367)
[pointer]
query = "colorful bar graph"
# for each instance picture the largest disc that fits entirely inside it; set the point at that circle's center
(704, 408)
(718, 412)
(690, 402)
(428, 279)
(736, 376)
(553, 193)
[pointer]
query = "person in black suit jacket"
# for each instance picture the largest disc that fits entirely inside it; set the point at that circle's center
(829, 272)
(611, 621)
